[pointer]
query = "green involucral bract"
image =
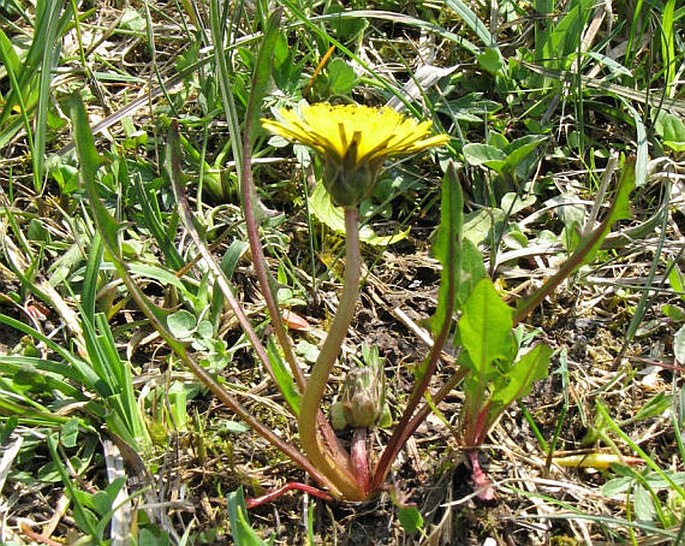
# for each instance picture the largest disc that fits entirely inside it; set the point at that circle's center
(347, 181)
(362, 401)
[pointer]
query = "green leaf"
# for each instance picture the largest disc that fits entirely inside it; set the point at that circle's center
(182, 324)
(565, 35)
(491, 61)
(69, 434)
(472, 20)
(243, 534)
(447, 248)
(620, 210)
(518, 150)
(673, 312)
(234, 427)
(262, 72)
(151, 535)
(485, 328)
(677, 281)
(483, 154)
(90, 162)
(517, 382)
(644, 504)
(283, 377)
(410, 519)
(472, 270)
(591, 243)
(133, 21)
(162, 276)
(156, 223)
(655, 406)
(679, 345)
(478, 224)
(341, 77)
(321, 205)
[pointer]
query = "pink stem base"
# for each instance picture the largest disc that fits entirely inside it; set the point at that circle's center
(481, 482)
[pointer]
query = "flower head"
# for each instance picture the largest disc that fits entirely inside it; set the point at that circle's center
(354, 140)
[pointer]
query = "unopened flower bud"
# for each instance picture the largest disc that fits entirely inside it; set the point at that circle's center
(363, 397)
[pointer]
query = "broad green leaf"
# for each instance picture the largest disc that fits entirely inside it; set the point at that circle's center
(341, 77)
(517, 381)
(485, 328)
(671, 129)
(161, 275)
(151, 535)
(644, 504)
(513, 203)
(307, 350)
(332, 216)
(132, 20)
(491, 61)
(68, 436)
(674, 312)
(345, 29)
(620, 486)
(478, 224)
(616, 487)
(410, 518)
(472, 270)
(483, 154)
(182, 324)
(233, 427)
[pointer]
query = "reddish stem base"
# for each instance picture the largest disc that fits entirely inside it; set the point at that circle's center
(290, 486)
(360, 458)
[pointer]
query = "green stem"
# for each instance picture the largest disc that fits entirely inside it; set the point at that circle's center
(336, 468)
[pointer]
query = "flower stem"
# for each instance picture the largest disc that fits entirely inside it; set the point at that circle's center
(250, 202)
(335, 467)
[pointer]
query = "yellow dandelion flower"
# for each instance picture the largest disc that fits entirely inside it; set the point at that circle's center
(354, 140)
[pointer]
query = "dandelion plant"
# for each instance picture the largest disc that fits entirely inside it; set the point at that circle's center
(353, 141)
